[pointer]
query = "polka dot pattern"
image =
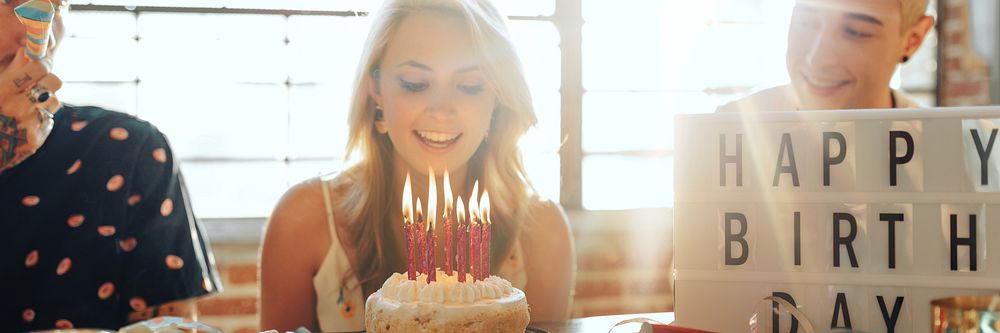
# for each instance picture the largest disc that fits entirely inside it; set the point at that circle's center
(64, 266)
(115, 183)
(134, 199)
(137, 303)
(106, 230)
(119, 134)
(32, 259)
(74, 168)
(106, 290)
(31, 201)
(75, 220)
(128, 244)
(78, 125)
(28, 315)
(160, 155)
(92, 230)
(174, 262)
(167, 207)
(64, 324)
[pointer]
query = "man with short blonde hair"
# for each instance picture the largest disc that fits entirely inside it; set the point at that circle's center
(843, 53)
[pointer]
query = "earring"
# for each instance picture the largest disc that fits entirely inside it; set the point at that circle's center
(379, 123)
(905, 59)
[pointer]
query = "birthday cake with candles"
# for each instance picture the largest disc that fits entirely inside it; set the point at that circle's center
(463, 297)
(446, 305)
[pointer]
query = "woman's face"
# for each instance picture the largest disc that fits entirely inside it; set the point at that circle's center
(842, 53)
(436, 102)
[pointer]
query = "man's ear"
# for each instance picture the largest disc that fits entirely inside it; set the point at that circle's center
(916, 34)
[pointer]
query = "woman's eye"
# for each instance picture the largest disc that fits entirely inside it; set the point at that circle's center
(412, 86)
(471, 89)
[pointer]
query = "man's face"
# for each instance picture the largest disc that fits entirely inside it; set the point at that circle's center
(842, 53)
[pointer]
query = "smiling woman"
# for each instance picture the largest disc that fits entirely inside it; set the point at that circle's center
(440, 85)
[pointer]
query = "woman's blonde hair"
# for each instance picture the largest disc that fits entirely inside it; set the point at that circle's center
(370, 190)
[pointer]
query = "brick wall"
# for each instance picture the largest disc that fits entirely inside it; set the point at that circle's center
(623, 266)
(964, 76)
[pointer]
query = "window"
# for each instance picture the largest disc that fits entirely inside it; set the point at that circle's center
(253, 94)
(255, 100)
(646, 61)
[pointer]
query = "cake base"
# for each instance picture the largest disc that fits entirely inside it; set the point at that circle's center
(504, 315)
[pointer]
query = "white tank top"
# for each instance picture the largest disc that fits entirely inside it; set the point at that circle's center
(340, 308)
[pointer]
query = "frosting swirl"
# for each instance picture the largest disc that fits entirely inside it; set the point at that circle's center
(445, 290)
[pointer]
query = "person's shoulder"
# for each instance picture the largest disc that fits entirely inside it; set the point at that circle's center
(303, 201)
(298, 222)
(547, 217)
(779, 98)
(119, 126)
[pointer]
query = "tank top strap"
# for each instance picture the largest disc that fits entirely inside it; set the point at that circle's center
(334, 240)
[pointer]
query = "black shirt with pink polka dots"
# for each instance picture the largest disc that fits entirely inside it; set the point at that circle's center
(95, 225)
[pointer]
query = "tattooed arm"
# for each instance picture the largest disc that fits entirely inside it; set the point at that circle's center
(24, 125)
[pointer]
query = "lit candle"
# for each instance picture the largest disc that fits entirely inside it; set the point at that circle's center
(418, 237)
(475, 233)
(431, 268)
(484, 207)
(449, 255)
(463, 240)
(411, 264)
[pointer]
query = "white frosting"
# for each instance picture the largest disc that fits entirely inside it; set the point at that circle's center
(445, 290)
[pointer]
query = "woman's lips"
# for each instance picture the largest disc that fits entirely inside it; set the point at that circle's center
(436, 141)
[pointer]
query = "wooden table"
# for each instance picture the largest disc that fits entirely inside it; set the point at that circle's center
(600, 324)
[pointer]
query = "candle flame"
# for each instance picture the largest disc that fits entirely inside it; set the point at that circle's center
(407, 201)
(474, 205)
(461, 211)
(447, 195)
(420, 212)
(484, 207)
(431, 199)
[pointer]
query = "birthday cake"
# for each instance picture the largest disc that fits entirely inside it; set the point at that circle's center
(446, 305)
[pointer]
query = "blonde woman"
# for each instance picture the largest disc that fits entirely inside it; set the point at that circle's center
(439, 85)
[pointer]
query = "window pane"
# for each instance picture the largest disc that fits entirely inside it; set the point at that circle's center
(325, 49)
(112, 96)
(624, 182)
(97, 59)
(318, 121)
(219, 121)
(234, 189)
(537, 46)
(628, 121)
(212, 47)
(543, 172)
(525, 7)
(679, 52)
(100, 25)
(299, 171)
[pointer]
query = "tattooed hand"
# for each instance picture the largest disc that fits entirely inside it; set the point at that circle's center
(24, 125)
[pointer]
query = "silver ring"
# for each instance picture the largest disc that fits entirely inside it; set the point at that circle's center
(45, 112)
(39, 94)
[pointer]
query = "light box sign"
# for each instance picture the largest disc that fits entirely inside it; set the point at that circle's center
(859, 218)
